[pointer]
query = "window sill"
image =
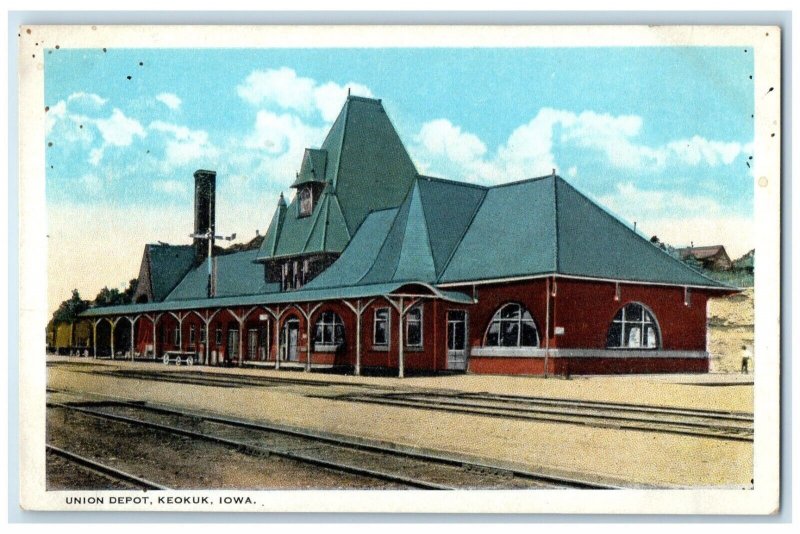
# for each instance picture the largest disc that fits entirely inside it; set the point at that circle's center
(414, 349)
(515, 352)
(380, 348)
(326, 348)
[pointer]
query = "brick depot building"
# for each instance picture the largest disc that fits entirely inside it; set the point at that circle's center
(373, 266)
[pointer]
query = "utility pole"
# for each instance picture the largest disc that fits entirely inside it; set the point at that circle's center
(210, 237)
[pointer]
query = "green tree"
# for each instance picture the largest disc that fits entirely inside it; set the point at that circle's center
(113, 297)
(69, 310)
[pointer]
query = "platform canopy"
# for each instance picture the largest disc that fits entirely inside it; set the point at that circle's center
(287, 298)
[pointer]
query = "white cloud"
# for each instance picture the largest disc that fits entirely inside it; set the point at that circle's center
(699, 150)
(442, 138)
(171, 187)
(54, 114)
(184, 145)
(91, 98)
(679, 219)
(283, 88)
(330, 97)
(529, 149)
(635, 204)
(170, 100)
(118, 129)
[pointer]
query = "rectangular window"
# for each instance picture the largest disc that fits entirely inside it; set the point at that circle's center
(177, 336)
(414, 327)
(203, 334)
(380, 335)
(219, 335)
(191, 334)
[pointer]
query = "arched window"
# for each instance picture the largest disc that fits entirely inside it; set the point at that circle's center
(633, 327)
(512, 326)
(329, 329)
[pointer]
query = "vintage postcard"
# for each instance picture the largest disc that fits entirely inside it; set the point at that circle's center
(310, 268)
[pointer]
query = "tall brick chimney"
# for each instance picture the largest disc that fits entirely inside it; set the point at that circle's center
(205, 184)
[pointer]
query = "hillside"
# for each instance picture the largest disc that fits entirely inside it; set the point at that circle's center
(730, 326)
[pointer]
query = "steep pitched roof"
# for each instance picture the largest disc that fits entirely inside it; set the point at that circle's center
(410, 243)
(366, 168)
(312, 169)
(165, 266)
(236, 274)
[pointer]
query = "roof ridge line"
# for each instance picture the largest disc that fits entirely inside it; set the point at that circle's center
(327, 221)
(311, 230)
(388, 232)
(524, 181)
(605, 212)
(427, 236)
(450, 181)
(346, 112)
(464, 233)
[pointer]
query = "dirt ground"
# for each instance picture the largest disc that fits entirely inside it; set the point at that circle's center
(730, 327)
(606, 453)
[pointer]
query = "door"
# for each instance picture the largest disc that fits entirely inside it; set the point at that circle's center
(252, 344)
(289, 340)
(457, 340)
(232, 354)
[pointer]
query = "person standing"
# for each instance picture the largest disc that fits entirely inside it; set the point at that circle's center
(745, 360)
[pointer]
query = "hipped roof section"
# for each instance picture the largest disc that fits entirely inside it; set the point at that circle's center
(453, 232)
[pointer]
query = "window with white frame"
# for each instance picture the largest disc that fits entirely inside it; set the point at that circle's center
(191, 333)
(177, 336)
(306, 205)
(512, 326)
(329, 329)
(380, 334)
(203, 334)
(219, 335)
(414, 327)
(633, 327)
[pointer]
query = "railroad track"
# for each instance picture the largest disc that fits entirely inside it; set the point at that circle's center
(384, 462)
(204, 378)
(736, 426)
(116, 475)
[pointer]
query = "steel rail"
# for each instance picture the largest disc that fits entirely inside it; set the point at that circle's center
(722, 414)
(576, 412)
(259, 451)
(644, 425)
(557, 480)
(104, 470)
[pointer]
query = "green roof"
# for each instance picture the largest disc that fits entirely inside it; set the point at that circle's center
(236, 274)
(366, 168)
(288, 297)
(312, 169)
(167, 265)
(545, 225)
(451, 232)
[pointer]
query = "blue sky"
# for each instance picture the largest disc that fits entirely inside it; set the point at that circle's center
(661, 136)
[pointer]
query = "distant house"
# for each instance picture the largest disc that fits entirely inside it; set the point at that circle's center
(711, 257)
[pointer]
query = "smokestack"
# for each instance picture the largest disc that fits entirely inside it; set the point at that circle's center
(205, 183)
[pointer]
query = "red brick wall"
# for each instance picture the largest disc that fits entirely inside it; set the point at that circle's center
(584, 366)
